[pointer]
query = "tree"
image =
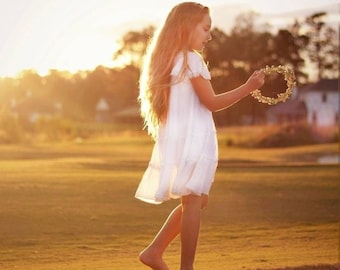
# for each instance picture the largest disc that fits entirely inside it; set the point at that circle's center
(61, 87)
(8, 87)
(232, 58)
(133, 46)
(322, 47)
(295, 44)
(30, 83)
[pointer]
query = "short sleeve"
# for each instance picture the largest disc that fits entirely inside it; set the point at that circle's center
(196, 66)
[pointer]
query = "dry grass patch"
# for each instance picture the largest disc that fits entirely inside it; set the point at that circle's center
(71, 206)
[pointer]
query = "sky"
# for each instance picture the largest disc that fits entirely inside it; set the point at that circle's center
(76, 35)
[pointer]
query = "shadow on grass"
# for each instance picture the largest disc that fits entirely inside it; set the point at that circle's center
(311, 267)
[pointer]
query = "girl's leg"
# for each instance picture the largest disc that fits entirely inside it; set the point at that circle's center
(152, 255)
(190, 226)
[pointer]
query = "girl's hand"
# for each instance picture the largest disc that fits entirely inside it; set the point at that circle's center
(256, 80)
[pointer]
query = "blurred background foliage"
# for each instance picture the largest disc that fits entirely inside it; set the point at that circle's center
(63, 105)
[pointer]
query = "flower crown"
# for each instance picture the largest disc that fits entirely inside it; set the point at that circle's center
(289, 77)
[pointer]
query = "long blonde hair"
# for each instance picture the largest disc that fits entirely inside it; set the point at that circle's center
(172, 38)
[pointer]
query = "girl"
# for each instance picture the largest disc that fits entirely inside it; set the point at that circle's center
(177, 101)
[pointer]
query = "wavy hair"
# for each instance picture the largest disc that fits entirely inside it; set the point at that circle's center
(168, 41)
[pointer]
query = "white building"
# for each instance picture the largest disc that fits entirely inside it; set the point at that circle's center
(322, 102)
(103, 110)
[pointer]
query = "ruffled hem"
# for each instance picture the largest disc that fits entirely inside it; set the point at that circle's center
(162, 184)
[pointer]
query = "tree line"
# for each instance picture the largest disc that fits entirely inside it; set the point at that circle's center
(232, 57)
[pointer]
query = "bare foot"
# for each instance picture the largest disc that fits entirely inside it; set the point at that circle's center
(153, 260)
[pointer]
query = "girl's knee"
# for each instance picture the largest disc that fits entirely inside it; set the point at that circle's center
(200, 201)
(191, 199)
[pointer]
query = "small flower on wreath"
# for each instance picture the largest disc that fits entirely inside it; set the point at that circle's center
(289, 77)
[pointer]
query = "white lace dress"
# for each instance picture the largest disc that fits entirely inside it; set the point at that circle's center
(185, 155)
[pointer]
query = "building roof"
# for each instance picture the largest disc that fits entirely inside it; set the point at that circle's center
(132, 111)
(323, 85)
(102, 105)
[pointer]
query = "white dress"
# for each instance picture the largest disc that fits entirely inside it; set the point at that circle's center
(185, 155)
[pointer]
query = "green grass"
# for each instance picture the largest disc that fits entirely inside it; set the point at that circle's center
(72, 206)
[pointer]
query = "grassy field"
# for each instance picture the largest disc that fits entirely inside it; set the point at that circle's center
(71, 206)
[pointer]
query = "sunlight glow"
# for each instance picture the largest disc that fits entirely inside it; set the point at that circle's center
(44, 35)
(81, 35)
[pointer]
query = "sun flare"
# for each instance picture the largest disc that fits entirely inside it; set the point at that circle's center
(44, 35)
(81, 35)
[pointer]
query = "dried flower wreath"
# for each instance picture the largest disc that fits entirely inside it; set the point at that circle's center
(289, 77)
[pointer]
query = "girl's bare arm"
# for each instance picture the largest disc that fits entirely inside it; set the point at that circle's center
(216, 102)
